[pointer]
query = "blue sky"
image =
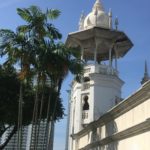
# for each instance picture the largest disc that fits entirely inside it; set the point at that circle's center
(134, 18)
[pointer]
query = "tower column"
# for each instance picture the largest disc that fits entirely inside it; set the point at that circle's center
(116, 63)
(82, 53)
(110, 59)
(95, 52)
(95, 55)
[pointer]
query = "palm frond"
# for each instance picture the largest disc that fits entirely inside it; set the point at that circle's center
(76, 66)
(6, 35)
(35, 10)
(53, 13)
(53, 33)
(25, 14)
(23, 28)
(6, 38)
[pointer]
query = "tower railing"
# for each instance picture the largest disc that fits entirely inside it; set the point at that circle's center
(101, 69)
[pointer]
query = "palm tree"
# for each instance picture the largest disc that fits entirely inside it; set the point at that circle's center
(37, 29)
(52, 59)
(57, 60)
(16, 46)
(38, 22)
(9, 101)
(33, 46)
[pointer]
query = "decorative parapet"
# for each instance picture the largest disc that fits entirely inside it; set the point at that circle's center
(101, 69)
(135, 130)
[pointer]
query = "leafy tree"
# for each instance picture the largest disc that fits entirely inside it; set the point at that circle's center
(16, 47)
(36, 48)
(9, 87)
(38, 24)
(53, 60)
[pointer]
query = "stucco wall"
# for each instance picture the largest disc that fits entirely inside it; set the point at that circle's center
(134, 116)
(138, 142)
(128, 131)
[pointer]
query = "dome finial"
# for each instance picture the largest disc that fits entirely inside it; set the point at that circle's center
(98, 6)
(146, 76)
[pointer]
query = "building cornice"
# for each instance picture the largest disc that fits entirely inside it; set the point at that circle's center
(132, 131)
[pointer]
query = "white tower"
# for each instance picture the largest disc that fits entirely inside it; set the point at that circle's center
(100, 90)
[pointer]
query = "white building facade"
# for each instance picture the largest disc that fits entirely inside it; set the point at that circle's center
(125, 127)
(98, 118)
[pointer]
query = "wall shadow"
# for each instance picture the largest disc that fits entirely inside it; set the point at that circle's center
(96, 133)
(111, 128)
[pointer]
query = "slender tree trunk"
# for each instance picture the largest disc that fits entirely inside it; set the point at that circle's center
(55, 105)
(50, 138)
(41, 111)
(49, 143)
(34, 118)
(20, 117)
(45, 143)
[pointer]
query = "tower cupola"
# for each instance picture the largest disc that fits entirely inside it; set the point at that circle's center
(96, 38)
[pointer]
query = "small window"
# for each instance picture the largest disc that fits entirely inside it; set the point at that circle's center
(86, 104)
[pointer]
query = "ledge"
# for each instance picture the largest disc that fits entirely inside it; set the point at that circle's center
(135, 130)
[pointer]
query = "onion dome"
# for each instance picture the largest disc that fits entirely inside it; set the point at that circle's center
(97, 18)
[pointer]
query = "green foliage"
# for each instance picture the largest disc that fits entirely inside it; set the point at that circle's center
(38, 24)
(52, 13)
(43, 61)
(9, 96)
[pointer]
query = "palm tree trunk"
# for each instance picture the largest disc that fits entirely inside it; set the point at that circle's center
(55, 105)
(41, 111)
(50, 140)
(20, 117)
(34, 118)
(45, 143)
